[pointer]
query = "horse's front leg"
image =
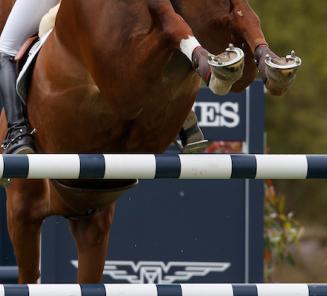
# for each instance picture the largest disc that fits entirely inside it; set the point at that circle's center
(219, 72)
(277, 73)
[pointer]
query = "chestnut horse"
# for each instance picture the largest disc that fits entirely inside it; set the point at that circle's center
(113, 77)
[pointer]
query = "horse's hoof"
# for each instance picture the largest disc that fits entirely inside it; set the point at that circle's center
(286, 64)
(226, 69)
(282, 69)
(281, 72)
(229, 58)
(196, 147)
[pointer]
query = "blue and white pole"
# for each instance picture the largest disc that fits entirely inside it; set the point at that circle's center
(150, 166)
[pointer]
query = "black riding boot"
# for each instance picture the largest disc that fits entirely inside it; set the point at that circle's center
(20, 136)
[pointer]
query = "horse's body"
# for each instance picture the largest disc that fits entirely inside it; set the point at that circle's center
(112, 79)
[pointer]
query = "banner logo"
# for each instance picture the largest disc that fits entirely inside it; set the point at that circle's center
(158, 272)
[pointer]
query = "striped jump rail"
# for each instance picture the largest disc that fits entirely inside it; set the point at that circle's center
(165, 290)
(150, 166)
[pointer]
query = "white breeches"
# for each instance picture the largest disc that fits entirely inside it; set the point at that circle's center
(23, 22)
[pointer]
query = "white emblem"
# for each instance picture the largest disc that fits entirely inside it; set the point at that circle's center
(157, 272)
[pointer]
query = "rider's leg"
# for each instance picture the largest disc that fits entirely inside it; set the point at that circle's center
(22, 22)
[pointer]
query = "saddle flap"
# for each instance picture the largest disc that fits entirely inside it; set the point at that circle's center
(27, 66)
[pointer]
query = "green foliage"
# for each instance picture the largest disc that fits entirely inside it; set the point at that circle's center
(296, 122)
(281, 231)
